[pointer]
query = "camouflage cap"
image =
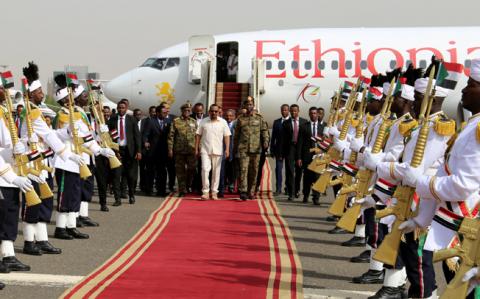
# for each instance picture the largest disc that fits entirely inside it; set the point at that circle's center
(186, 105)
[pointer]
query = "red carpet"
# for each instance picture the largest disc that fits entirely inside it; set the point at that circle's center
(203, 249)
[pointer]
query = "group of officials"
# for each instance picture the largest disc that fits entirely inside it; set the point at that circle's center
(411, 176)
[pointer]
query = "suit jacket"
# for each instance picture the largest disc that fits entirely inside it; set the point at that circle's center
(287, 135)
(134, 139)
(157, 137)
(275, 142)
(305, 143)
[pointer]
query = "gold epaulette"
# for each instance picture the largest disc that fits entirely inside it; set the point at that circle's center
(35, 113)
(341, 115)
(369, 118)
(444, 126)
(406, 126)
(355, 122)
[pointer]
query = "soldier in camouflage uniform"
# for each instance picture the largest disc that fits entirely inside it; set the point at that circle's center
(181, 142)
(251, 135)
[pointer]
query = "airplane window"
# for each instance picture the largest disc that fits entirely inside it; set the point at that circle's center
(172, 62)
(308, 65)
(294, 65)
(348, 64)
(334, 65)
(149, 61)
(281, 65)
(363, 64)
(393, 64)
(159, 63)
(321, 65)
(468, 63)
(423, 63)
(268, 65)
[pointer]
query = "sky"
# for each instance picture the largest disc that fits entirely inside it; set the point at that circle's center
(113, 36)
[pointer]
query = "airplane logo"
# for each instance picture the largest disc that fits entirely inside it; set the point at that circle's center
(165, 92)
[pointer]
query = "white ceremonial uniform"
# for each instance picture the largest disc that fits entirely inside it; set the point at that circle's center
(6, 147)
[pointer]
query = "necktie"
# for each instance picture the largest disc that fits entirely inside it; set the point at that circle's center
(314, 130)
(122, 129)
(295, 131)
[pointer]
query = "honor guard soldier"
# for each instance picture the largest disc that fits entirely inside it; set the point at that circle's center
(181, 144)
(46, 142)
(251, 135)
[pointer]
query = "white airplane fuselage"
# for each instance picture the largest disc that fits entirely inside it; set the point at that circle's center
(304, 66)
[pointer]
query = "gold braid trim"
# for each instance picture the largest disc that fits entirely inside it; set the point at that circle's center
(431, 186)
(392, 170)
(478, 132)
(4, 171)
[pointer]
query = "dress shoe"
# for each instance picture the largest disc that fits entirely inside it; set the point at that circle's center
(48, 248)
(181, 194)
(31, 248)
(305, 200)
(290, 198)
(355, 242)
(61, 233)
(104, 208)
(332, 218)
(221, 195)
(371, 276)
(251, 196)
(2, 285)
(13, 264)
(363, 257)
(243, 196)
(3, 268)
(316, 201)
(87, 221)
(337, 230)
(117, 203)
(76, 234)
(390, 293)
(214, 196)
(79, 222)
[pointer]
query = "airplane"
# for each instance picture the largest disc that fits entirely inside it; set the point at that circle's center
(303, 66)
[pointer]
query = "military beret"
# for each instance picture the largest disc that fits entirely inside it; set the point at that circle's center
(186, 105)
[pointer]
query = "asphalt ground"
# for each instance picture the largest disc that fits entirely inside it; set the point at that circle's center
(326, 268)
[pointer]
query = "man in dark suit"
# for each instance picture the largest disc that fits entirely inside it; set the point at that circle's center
(275, 148)
(143, 163)
(198, 115)
(308, 131)
(289, 140)
(155, 139)
(321, 115)
(170, 161)
(130, 143)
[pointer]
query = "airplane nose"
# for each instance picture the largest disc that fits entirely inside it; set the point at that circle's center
(119, 88)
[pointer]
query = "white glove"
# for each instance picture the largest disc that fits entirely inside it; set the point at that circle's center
(104, 129)
(411, 175)
(356, 144)
(471, 276)
(36, 179)
(33, 138)
(23, 183)
(372, 160)
(77, 159)
(408, 226)
(366, 202)
(333, 131)
(339, 145)
(19, 148)
(107, 152)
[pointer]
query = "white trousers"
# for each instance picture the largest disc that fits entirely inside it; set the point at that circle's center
(213, 163)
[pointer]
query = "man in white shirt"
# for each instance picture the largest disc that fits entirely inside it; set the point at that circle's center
(211, 134)
(232, 66)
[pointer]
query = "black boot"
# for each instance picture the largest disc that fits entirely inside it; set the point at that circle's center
(2, 285)
(104, 208)
(332, 218)
(337, 230)
(13, 264)
(61, 233)
(3, 268)
(48, 248)
(87, 221)
(355, 242)
(363, 257)
(76, 234)
(243, 196)
(31, 248)
(390, 293)
(117, 203)
(79, 222)
(371, 276)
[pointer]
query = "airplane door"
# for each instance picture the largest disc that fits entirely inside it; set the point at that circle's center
(258, 74)
(208, 80)
(201, 48)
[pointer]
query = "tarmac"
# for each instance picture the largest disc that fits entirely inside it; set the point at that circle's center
(327, 270)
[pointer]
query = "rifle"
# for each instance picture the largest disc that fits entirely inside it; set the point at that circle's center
(387, 252)
(77, 141)
(107, 141)
(364, 176)
(21, 160)
(38, 165)
(338, 206)
(333, 154)
(469, 254)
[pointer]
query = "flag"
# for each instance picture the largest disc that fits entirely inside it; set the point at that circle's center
(72, 79)
(347, 89)
(24, 85)
(374, 93)
(7, 79)
(398, 85)
(90, 84)
(449, 74)
(364, 83)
